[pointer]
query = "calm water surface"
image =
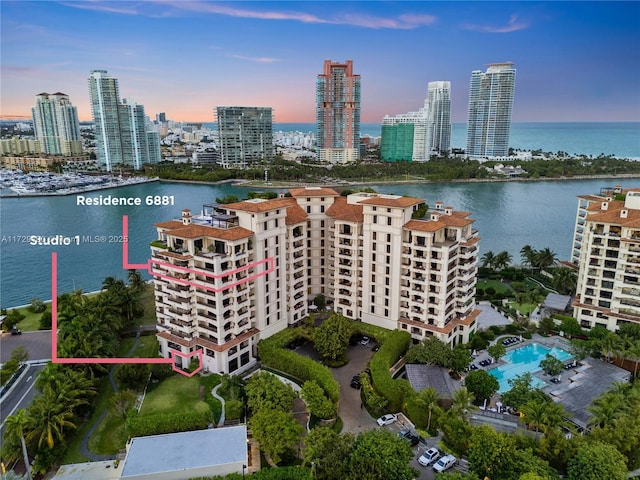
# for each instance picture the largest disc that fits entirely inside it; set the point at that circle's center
(507, 215)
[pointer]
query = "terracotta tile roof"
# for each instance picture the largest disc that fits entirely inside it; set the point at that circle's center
(196, 231)
(612, 214)
(295, 214)
(456, 219)
(341, 210)
(471, 241)
(391, 201)
(169, 224)
(259, 206)
(313, 192)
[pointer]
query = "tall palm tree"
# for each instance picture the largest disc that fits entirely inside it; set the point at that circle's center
(554, 417)
(545, 258)
(463, 402)
(487, 259)
(502, 260)
(527, 253)
(136, 284)
(534, 413)
(16, 428)
(606, 409)
(48, 419)
(428, 399)
(564, 280)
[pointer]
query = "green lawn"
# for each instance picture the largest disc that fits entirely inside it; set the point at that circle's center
(31, 321)
(147, 347)
(175, 394)
(498, 286)
(524, 308)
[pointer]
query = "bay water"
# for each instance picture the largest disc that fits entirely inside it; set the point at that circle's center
(508, 216)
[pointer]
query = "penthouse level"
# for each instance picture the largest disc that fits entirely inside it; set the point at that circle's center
(236, 273)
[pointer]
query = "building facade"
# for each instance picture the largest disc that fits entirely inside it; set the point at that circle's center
(241, 272)
(120, 126)
(490, 104)
(245, 135)
(608, 286)
(56, 125)
(404, 137)
(438, 107)
(338, 113)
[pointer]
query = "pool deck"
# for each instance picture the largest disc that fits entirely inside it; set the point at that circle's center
(577, 387)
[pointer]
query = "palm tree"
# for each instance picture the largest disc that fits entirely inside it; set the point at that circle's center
(564, 280)
(428, 399)
(47, 420)
(488, 259)
(502, 260)
(136, 284)
(534, 413)
(16, 428)
(606, 409)
(527, 253)
(462, 402)
(554, 417)
(545, 258)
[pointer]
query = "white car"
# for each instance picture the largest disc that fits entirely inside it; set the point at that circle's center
(387, 419)
(429, 456)
(445, 463)
(365, 340)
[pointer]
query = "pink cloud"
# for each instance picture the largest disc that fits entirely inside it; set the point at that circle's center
(512, 26)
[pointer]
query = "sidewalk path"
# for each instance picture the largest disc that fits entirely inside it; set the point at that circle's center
(214, 392)
(84, 444)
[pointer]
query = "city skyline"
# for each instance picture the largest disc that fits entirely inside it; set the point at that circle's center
(577, 61)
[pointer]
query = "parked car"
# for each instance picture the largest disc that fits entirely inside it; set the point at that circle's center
(387, 419)
(355, 382)
(429, 456)
(365, 340)
(445, 463)
(412, 438)
(376, 347)
(16, 331)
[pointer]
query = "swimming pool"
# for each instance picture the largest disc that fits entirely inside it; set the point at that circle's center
(525, 359)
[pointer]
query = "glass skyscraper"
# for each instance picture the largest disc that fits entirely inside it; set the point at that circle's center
(438, 107)
(56, 126)
(490, 104)
(245, 135)
(338, 113)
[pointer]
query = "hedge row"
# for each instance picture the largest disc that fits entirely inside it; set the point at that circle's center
(138, 426)
(395, 345)
(274, 355)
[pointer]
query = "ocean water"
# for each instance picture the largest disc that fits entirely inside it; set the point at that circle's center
(620, 139)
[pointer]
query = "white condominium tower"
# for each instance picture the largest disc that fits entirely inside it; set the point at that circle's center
(237, 273)
(608, 232)
(490, 104)
(56, 126)
(438, 108)
(120, 127)
(105, 99)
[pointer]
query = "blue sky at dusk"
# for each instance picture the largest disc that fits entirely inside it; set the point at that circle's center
(575, 61)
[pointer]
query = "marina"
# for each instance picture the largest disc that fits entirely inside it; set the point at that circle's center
(15, 183)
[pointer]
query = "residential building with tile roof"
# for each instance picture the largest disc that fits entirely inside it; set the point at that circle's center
(608, 285)
(240, 272)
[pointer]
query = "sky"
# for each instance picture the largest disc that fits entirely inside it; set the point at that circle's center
(575, 61)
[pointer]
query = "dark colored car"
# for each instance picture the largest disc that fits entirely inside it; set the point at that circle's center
(408, 435)
(355, 382)
(376, 347)
(15, 331)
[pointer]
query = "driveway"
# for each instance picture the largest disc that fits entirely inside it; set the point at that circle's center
(38, 344)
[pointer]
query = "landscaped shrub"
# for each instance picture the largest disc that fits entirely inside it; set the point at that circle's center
(233, 409)
(138, 426)
(395, 345)
(487, 335)
(496, 329)
(478, 343)
(490, 292)
(274, 355)
(512, 328)
(316, 400)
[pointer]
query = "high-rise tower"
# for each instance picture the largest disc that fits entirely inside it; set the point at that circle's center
(338, 113)
(245, 135)
(56, 126)
(121, 131)
(490, 104)
(105, 99)
(438, 107)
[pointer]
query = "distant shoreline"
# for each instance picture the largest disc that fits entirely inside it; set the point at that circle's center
(79, 190)
(276, 185)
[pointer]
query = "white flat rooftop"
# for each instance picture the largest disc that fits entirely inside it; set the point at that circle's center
(187, 450)
(88, 471)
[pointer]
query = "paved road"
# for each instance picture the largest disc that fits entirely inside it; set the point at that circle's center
(20, 396)
(38, 344)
